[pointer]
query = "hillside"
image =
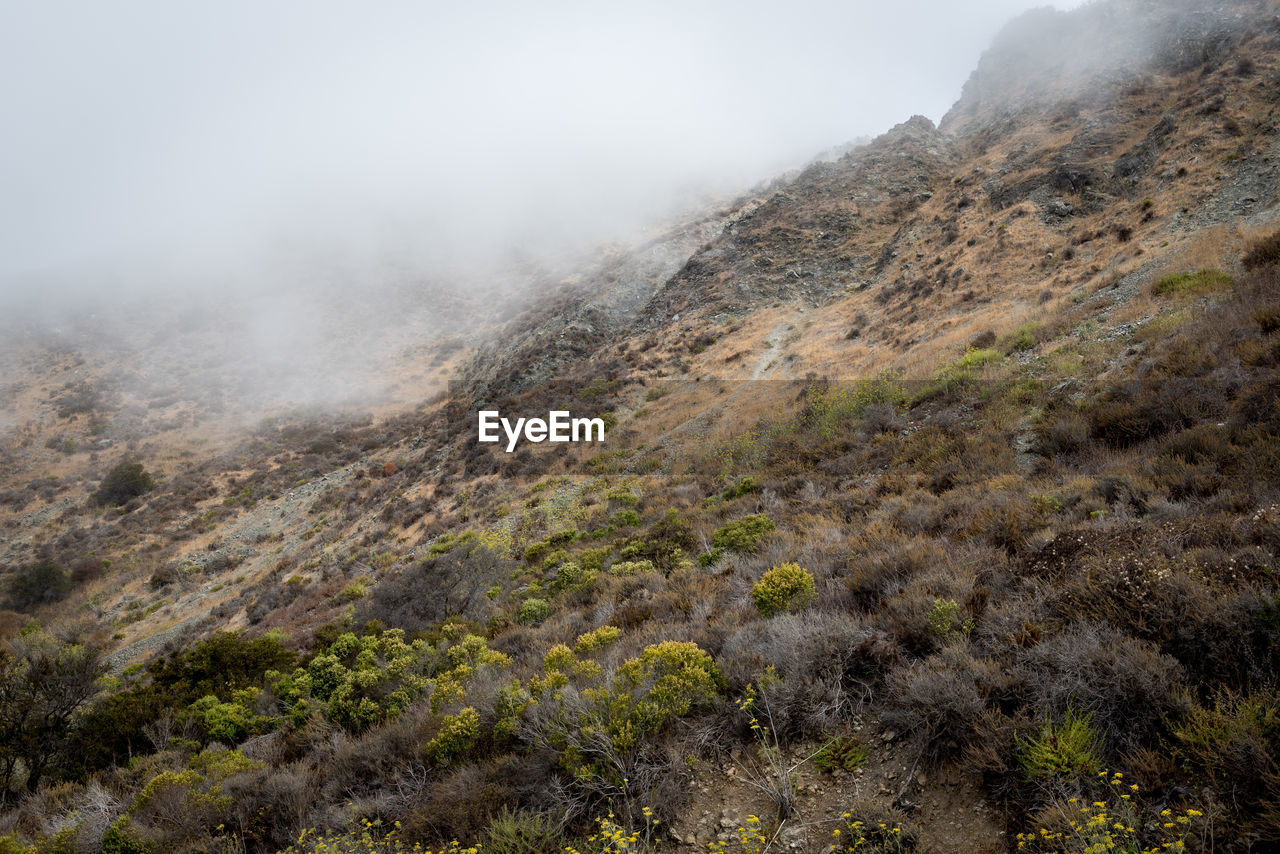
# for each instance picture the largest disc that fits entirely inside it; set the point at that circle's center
(938, 511)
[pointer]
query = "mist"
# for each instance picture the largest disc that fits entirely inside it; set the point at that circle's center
(288, 156)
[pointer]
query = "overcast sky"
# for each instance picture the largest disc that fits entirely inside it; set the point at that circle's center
(181, 136)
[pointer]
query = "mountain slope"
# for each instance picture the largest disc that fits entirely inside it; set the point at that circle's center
(945, 472)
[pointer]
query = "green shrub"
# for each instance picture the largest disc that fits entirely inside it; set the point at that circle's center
(40, 583)
(1070, 750)
(631, 567)
(1235, 743)
(844, 753)
(945, 620)
(570, 575)
(743, 535)
(827, 410)
(353, 591)
(457, 735)
(744, 486)
(596, 640)
(120, 839)
(784, 588)
(972, 360)
(667, 680)
(112, 731)
(1023, 338)
(624, 496)
(123, 483)
(1199, 282)
(9, 845)
(539, 550)
(626, 518)
(598, 731)
(358, 682)
(592, 560)
(233, 721)
(533, 611)
(710, 558)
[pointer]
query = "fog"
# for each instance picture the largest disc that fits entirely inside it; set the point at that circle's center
(254, 151)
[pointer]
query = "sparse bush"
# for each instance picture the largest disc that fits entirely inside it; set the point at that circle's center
(164, 575)
(1110, 817)
(983, 340)
(940, 700)
(1126, 415)
(176, 808)
(123, 483)
(1268, 319)
(367, 837)
(867, 830)
(827, 664)
(453, 582)
(1061, 431)
(828, 408)
(271, 804)
(667, 541)
(461, 803)
(1126, 686)
(520, 832)
(79, 398)
(1263, 253)
(787, 587)
(39, 583)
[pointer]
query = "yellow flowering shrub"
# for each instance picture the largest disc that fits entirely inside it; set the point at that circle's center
(1113, 823)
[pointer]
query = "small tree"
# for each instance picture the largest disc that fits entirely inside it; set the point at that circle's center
(122, 483)
(43, 685)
